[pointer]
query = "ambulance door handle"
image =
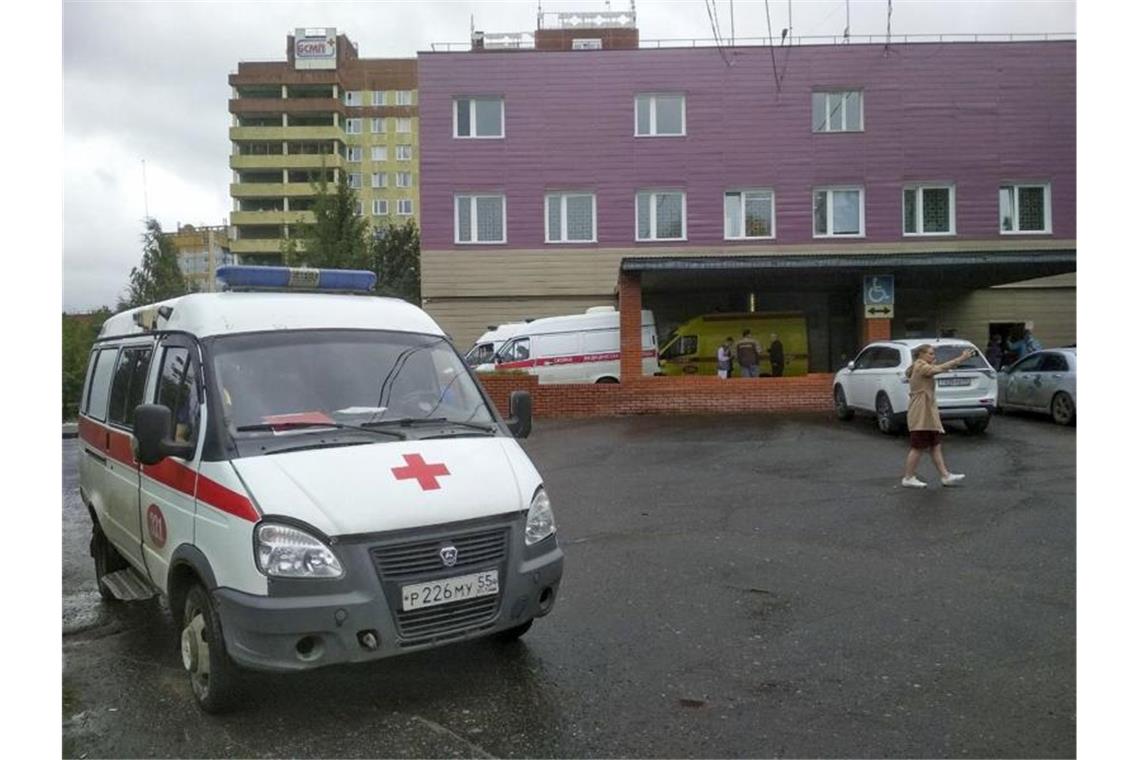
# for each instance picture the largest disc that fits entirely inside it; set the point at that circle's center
(96, 457)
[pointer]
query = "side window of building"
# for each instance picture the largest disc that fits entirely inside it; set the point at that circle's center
(837, 111)
(838, 212)
(661, 215)
(353, 98)
(478, 117)
(128, 384)
(928, 210)
(377, 99)
(1025, 209)
(101, 383)
(178, 391)
(480, 219)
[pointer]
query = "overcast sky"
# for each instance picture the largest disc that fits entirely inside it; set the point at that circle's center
(148, 81)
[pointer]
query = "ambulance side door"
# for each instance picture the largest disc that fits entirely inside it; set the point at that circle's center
(167, 503)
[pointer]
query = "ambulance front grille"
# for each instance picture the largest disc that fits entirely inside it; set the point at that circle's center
(446, 621)
(474, 551)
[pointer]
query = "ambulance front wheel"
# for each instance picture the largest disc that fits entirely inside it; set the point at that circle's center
(107, 561)
(213, 675)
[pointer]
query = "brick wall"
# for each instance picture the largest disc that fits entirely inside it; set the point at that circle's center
(665, 395)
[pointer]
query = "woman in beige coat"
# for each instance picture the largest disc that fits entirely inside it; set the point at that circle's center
(922, 417)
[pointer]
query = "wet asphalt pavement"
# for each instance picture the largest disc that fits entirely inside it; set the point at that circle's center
(752, 586)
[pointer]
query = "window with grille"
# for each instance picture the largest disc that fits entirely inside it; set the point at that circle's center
(928, 210)
(480, 219)
(570, 218)
(1025, 209)
(660, 215)
(749, 214)
(837, 111)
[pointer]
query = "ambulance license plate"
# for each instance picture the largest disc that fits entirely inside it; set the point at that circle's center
(953, 382)
(419, 595)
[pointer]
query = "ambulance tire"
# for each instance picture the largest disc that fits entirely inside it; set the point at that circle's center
(217, 685)
(107, 561)
(513, 634)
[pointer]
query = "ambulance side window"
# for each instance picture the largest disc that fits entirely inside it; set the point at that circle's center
(128, 385)
(101, 384)
(178, 391)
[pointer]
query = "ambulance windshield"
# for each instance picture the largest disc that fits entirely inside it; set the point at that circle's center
(305, 380)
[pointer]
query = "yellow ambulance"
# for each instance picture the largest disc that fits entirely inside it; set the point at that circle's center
(691, 348)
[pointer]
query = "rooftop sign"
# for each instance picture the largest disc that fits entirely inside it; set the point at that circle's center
(314, 48)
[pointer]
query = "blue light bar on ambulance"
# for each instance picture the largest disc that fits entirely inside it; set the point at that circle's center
(245, 277)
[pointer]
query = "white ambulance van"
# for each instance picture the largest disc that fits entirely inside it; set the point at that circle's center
(577, 348)
(484, 349)
(309, 478)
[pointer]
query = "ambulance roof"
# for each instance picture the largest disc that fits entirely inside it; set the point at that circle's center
(593, 319)
(207, 314)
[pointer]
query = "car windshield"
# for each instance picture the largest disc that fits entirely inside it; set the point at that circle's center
(943, 354)
(315, 379)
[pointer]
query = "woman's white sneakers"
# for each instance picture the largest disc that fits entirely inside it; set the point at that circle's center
(951, 480)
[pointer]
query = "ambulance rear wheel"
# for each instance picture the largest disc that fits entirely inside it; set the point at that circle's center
(213, 675)
(107, 561)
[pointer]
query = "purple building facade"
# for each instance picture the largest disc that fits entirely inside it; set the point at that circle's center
(951, 167)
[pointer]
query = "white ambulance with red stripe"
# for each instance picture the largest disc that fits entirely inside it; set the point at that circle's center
(576, 348)
(309, 477)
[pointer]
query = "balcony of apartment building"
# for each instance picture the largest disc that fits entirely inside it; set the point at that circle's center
(293, 154)
(283, 183)
(275, 211)
(284, 126)
(256, 238)
(283, 98)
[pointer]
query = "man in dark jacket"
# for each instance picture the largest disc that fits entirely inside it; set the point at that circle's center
(748, 354)
(776, 356)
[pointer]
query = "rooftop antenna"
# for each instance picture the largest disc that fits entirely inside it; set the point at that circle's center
(887, 47)
(847, 29)
(732, 24)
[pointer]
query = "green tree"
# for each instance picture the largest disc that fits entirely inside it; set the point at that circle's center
(79, 332)
(396, 257)
(158, 276)
(338, 236)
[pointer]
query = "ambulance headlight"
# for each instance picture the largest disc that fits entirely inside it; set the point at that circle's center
(540, 518)
(287, 552)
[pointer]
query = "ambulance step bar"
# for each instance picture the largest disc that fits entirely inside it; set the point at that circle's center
(128, 586)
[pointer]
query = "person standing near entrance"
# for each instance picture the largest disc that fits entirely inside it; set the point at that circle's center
(724, 359)
(748, 354)
(776, 356)
(922, 416)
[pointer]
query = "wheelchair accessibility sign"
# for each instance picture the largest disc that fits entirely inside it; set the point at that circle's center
(879, 295)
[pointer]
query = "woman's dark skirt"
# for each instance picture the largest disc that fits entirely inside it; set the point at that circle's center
(925, 439)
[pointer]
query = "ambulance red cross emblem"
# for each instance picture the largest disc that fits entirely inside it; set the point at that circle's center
(427, 474)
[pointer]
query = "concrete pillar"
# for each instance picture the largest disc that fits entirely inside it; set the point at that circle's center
(629, 305)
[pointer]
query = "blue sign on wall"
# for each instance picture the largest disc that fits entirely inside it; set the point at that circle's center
(879, 290)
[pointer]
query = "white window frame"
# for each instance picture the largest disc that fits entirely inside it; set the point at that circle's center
(400, 205)
(470, 198)
(400, 151)
(355, 153)
(404, 121)
(356, 183)
(377, 204)
(404, 98)
(379, 179)
(830, 211)
(358, 208)
(353, 126)
(919, 222)
(400, 179)
(653, 193)
(379, 97)
(843, 118)
(653, 114)
(377, 125)
(471, 118)
(1048, 199)
(379, 152)
(562, 196)
(744, 192)
(353, 98)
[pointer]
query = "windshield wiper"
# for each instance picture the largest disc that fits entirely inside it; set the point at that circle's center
(410, 421)
(297, 425)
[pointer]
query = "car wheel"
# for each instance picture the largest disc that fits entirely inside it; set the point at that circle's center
(842, 411)
(513, 634)
(1063, 409)
(107, 561)
(979, 425)
(606, 380)
(885, 415)
(213, 675)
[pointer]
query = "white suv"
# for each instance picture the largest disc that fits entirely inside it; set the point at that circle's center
(876, 383)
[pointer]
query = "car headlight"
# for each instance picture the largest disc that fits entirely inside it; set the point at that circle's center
(287, 552)
(540, 518)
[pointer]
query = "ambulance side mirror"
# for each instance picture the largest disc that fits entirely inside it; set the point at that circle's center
(519, 421)
(152, 431)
